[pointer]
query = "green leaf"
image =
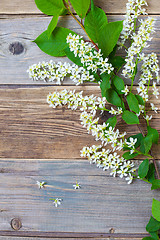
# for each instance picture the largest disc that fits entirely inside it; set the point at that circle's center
(112, 121)
(155, 184)
(153, 225)
(56, 44)
(140, 99)
(128, 156)
(81, 7)
(72, 57)
(146, 144)
(118, 84)
(112, 97)
(154, 235)
(95, 21)
(51, 7)
(148, 238)
(143, 168)
(109, 36)
(105, 84)
(156, 209)
(117, 61)
(130, 117)
(52, 25)
(151, 173)
(133, 102)
(154, 133)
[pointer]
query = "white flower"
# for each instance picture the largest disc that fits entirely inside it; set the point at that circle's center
(56, 201)
(122, 172)
(41, 184)
(77, 185)
(148, 118)
(126, 90)
(131, 142)
(153, 107)
(129, 178)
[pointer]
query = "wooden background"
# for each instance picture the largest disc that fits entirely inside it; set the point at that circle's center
(39, 143)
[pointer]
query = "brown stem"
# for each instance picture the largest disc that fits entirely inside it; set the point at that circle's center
(154, 161)
(80, 23)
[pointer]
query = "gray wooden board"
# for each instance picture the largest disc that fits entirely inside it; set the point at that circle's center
(102, 203)
(113, 6)
(24, 30)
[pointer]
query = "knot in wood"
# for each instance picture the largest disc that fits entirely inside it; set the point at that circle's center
(112, 230)
(16, 224)
(16, 48)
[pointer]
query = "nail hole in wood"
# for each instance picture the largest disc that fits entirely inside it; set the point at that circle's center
(16, 48)
(16, 224)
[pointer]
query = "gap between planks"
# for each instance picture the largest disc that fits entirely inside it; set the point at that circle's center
(72, 235)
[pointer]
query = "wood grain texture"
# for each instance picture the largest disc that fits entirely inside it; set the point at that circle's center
(31, 129)
(109, 6)
(102, 203)
(41, 238)
(24, 30)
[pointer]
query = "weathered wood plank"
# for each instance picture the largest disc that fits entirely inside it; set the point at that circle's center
(102, 203)
(110, 6)
(35, 238)
(24, 30)
(30, 129)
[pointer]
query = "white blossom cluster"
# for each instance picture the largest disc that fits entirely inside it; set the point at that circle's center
(149, 67)
(134, 8)
(106, 160)
(91, 59)
(139, 42)
(102, 132)
(56, 72)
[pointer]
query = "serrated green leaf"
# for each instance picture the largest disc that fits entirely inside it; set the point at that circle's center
(95, 21)
(72, 57)
(105, 83)
(112, 121)
(52, 25)
(156, 209)
(153, 225)
(154, 133)
(146, 144)
(151, 173)
(81, 7)
(108, 37)
(51, 7)
(155, 184)
(117, 61)
(128, 156)
(112, 97)
(133, 103)
(56, 44)
(118, 84)
(143, 168)
(130, 117)
(140, 99)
